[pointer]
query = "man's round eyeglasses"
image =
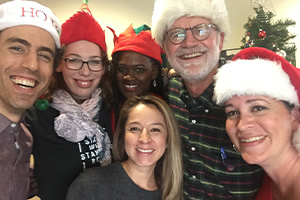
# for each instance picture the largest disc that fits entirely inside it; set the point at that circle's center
(199, 32)
(77, 64)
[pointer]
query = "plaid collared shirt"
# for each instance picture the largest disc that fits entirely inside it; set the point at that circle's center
(213, 170)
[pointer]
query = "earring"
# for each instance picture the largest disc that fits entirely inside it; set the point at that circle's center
(234, 148)
(154, 83)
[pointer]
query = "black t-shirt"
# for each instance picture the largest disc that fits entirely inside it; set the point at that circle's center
(57, 161)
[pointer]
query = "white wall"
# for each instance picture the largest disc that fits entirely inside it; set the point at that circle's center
(118, 14)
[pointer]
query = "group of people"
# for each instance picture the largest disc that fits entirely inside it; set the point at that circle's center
(101, 129)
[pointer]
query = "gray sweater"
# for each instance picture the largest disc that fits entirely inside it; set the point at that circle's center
(108, 183)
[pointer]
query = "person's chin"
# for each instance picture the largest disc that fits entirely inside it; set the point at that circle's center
(22, 104)
(128, 94)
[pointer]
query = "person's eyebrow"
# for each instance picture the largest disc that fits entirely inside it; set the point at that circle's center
(254, 100)
(18, 40)
(228, 105)
(158, 124)
(46, 49)
(247, 102)
(26, 43)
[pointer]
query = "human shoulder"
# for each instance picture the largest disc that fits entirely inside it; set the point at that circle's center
(34, 114)
(176, 81)
(96, 183)
(4, 122)
(37, 121)
(175, 87)
(97, 173)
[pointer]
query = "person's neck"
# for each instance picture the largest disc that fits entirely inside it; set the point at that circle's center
(12, 115)
(197, 87)
(285, 174)
(141, 176)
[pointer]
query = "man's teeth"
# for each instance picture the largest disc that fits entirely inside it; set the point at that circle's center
(131, 86)
(22, 82)
(145, 150)
(253, 139)
(192, 55)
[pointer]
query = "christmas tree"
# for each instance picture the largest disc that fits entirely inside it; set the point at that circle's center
(262, 31)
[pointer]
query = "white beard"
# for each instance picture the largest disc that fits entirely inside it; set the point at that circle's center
(199, 69)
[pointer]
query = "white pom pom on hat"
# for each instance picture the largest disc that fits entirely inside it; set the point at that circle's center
(19, 12)
(166, 12)
(258, 71)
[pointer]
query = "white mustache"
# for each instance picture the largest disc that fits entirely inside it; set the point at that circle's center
(183, 51)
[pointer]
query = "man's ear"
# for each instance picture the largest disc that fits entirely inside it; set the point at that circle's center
(296, 117)
(222, 36)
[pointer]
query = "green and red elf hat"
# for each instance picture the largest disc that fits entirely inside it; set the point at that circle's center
(142, 43)
(83, 26)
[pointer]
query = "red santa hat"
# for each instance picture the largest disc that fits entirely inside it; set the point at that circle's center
(258, 71)
(17, 13)
(166, 12)
(82, 26)
(142, 43)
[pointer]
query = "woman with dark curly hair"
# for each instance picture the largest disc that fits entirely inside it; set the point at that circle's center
(136, 66)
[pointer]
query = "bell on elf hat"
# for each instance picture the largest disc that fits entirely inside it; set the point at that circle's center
(258, 71)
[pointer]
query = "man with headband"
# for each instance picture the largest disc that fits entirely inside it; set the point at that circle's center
(29, 39)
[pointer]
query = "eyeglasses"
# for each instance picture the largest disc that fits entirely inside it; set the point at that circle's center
(200, 32)
(77, 64)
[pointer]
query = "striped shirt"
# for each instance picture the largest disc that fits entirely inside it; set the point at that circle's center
(205, 142)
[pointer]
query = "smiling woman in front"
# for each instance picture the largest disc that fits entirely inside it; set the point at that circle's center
(148, 153)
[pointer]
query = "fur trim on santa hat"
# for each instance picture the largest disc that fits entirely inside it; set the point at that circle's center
(254, 77)
(166, 12)
(258, 71)
(17, 13)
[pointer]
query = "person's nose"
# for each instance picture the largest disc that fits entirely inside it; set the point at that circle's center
(144, 136)
(85, 71)
(31, 61)
(245, 122)
(129, 75)
(189, 40)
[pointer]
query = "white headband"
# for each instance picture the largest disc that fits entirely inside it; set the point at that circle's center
(18, 12)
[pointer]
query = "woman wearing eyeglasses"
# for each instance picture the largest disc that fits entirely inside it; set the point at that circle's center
(72, 134)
